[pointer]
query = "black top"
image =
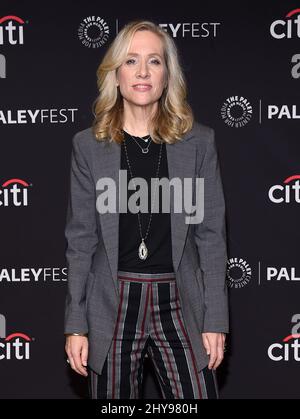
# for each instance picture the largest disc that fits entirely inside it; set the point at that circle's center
(158, 241)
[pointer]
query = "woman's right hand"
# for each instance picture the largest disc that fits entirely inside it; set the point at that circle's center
(77, 350)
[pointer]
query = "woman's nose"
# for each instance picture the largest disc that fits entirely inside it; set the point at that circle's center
(143, 70)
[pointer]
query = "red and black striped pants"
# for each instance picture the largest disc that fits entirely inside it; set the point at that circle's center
(150, 322)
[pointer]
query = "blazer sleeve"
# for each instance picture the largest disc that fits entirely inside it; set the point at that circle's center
(210, 238)
(82, 238)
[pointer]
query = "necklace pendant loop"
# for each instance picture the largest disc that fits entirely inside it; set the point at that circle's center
(143, 251)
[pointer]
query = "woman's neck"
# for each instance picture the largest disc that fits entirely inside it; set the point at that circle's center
(136, 132)
(136, 119)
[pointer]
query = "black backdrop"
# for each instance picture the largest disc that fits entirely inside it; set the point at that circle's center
(242, 64)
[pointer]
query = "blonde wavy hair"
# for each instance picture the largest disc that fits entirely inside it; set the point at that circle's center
(174, 116)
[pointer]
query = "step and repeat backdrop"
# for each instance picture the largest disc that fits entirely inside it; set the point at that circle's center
(242, 65)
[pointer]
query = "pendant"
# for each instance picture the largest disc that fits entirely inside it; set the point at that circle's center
(143, 251)
(145, 150)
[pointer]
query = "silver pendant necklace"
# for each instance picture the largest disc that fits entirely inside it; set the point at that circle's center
(143, 250)
(146, 149)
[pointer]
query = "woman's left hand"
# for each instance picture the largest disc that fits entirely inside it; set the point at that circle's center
(214, 344)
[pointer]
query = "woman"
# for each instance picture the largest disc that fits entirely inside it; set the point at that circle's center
(143, 282)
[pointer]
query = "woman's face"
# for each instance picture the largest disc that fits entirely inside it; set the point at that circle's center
(142, 77)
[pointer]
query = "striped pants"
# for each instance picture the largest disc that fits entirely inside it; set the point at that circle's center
(150, 322)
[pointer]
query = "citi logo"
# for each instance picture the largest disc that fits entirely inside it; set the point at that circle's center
(11, 30)
(14, 192)
(288, 28)
(288, 348)
(287, 192)
(14, 346)
(285, 351)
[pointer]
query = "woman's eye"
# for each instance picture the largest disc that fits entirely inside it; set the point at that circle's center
(132, 60)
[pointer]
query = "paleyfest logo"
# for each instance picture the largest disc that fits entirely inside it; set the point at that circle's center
(288, 348)
(138, 201)
(14, 346)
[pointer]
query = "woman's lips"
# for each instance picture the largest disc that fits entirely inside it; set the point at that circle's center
(142, 88)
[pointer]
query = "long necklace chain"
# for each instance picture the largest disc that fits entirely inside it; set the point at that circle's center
(143, 251)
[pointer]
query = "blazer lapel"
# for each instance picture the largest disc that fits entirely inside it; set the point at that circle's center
(181, 164)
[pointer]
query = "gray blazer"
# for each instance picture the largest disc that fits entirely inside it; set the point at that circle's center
(198, 250)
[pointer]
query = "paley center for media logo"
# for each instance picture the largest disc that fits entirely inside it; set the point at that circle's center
(93, 31)
(239, 273)
(287, 349)
(14, 192)
(11, 33)
(14, 346)
(236, 111)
